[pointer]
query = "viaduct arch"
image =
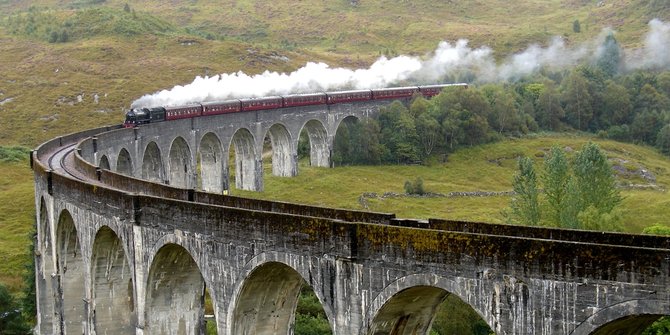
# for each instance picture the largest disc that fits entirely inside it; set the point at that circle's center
(121, 251)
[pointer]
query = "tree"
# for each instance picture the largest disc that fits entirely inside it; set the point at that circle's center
(63, 37)
(452, 127)
(586, 199)
(398, 134)
(429, 128)
(659, 327)
(11, 320)
(310, 317)
(596, 184)
(556, 179)
(525, 204)
(53, 36)
(617, 106)
(649, 99)
(663, 140)
(577, 100)
(342, 144)
(126, 8)
(576, 26)
(646, 126)
(550, 113)
(370, 149)
(504, 115)
(419, 106)
(609, 60)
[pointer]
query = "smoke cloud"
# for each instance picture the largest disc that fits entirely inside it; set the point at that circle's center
(448, 63)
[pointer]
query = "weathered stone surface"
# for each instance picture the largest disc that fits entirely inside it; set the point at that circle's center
(117, 254)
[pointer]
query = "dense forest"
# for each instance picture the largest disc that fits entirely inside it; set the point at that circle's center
(630, 107)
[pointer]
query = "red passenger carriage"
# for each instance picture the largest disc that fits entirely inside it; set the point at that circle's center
(183, 112)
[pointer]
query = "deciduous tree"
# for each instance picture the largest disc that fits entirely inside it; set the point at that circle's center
(577, 100)
(525, 208)
(556, 178)
(595, 180)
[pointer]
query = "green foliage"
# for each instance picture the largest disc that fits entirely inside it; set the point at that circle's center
(310, 317)
(303, 145)
(576, 26)
(587, 198)
(309, 325)
(11, 319)
(398, 134)
(556, 179)
(29, 301)
(609, 60)
(14, 154)
(430, 131)
(595, 180)
(61, 27)
(592, 218)
(525, 208)
(659, 327)
(456, 317)
(577, 100)
(550, 111)
(657, 229)
(617, 106)
(357, 143)
(415, 187)
(663, 140)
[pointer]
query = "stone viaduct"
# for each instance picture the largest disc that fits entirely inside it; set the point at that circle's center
(133, 233)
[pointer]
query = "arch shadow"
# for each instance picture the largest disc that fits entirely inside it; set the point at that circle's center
(71, 270)
(628, 317)
(409, 305)
(174, 281)
(112, 286)
(267, 296)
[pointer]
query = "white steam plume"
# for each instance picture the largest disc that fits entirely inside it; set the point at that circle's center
(656, 51)
(449, 62)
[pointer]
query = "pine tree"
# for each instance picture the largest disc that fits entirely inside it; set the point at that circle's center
(610, 56)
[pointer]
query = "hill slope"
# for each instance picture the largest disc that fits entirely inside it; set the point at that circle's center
(69, 66)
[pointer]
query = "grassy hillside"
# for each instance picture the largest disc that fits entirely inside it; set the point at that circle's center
(17, 210)
(73, 65)
(487, 168)
(368, 27)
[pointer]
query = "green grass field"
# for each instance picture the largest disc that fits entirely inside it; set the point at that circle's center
(113, 57)
(487, 168)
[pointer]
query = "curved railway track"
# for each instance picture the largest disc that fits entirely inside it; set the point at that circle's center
(61, 160)
(58, 162)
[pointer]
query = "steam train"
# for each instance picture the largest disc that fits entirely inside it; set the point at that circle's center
(138, 116)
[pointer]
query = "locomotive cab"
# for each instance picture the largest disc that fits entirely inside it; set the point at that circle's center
(136, 116)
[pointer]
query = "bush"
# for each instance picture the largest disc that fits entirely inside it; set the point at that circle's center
(657, 229)
(14, 154)
(309, 325)
(11, 320)
(415, 188)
